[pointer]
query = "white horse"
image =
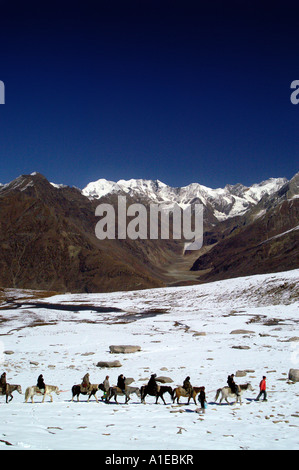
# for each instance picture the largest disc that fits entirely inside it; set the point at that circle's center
(226, 392)
(34, 390)
(115, 391)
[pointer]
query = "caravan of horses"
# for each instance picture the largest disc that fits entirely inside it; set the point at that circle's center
(114, 391)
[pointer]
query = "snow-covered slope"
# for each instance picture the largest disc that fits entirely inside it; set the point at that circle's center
(226, 202)
(249, 325)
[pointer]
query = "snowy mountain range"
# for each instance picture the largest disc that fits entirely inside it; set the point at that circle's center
(48, 241)
(230, 201)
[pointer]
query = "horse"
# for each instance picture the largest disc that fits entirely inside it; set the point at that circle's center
(181, 392)
(9, 389)
(92, 389)
(161, 389)
(34, 390)
(115, 391)
(226, 392)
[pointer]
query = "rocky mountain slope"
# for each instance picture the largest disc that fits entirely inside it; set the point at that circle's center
(265, 239)
(47, 241)
(47, 235)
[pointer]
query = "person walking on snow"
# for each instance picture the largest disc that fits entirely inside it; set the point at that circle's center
(262, 389)
(106, 385)
(202, 399)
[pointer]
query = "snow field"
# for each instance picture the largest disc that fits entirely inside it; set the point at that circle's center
(182, 331)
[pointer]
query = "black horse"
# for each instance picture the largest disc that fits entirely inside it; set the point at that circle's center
(93, 388)
(158, 393)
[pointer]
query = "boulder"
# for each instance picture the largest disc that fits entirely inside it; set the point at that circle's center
(294, 375)
(124, 349)
(34, 363)
(108, 364)
(164, 380)
(242, 332)
(129, 380)
(240, 373)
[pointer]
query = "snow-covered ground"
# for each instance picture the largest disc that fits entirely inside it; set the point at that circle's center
(181, 331)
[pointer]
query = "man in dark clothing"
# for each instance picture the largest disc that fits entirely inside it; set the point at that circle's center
(187, 386)
(41, 384)
(3, 383)
(121, 383)
(232, 384)
(202, 398)
(152, 384)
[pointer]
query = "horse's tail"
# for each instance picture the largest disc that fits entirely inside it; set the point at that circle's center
(142, 392)
(217, 394)
(27, 393)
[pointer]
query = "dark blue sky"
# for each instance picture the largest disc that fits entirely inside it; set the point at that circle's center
(187, 91)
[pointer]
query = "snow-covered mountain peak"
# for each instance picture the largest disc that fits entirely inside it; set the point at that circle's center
(226, 202)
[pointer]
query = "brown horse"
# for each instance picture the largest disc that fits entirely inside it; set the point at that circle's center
(9, 389)
(145, 390)
(181, 392)
(93, 388)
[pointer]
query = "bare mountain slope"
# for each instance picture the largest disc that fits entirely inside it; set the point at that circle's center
(265, 239)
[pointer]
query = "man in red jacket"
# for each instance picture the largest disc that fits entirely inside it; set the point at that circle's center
(262, 389)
